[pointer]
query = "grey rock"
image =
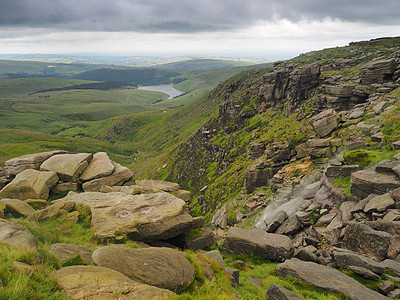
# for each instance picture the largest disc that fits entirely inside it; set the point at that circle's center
(306, 255)
(367, 274)
(385, 287)
(347, 259)
(377, 71)
(205, 239)
(215, 255)
(220, 217)
(338, 171)
(326, 278)
(16, 235)
(392, 215)
(276, 221)
(379, 203)
(277, 292)
(233, 276)
(325, 122)
(311, 189)
(326, 219)
(239, 241)
(254, 280)
(17, 207)
(395, 294)
(291, 226)
(363, 239)
(65, 251)
(345, 209)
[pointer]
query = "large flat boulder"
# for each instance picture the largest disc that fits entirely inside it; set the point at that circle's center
(84, 282)
(30, 184)
(118, 177)
(30, 161)
(159, 185)
(256, 241)
(100, 166)
(161, 267)
(326, 278)
(363, 239)
(67, 166)
(144, 217)
(346, 259)
(16, 235)
(366, 182)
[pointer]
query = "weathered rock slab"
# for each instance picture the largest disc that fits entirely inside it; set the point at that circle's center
(159, 185)
(30, 184)
(100, 166)
(144, 217)
(67, 166)
(379, 203)
(17, 207)
(118, 177)
(65, 251)
(277, 292)
(16, 235)
(83, 282)
(326, 278)
(161, 267)
(325, 122)
(258, 242)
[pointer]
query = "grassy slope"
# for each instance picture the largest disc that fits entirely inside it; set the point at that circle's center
(204, 64)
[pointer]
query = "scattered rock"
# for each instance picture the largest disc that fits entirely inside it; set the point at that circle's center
(254, 280)
(51, 211)
(277, 292)
(326, 278)
(65, 251)
(379, 203)
(347, 259)
(385, 287)
(233, 276)
(338, 171)
(83, 282)
(291, 226)
(30, 184)
(22, 267)
(16, 235)
(239, 241)
(215, 255)
(161, 267)
(205, 239)
(276, 221)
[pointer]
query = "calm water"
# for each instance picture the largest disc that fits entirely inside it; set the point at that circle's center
(166, 89)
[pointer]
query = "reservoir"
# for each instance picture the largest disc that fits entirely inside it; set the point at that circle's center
(166, 89)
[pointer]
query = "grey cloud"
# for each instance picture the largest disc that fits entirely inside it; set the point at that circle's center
(185, 15)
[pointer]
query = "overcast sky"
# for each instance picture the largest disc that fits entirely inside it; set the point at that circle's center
(268, 28)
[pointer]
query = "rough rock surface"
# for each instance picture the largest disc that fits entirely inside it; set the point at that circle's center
(363, 239)
(118, 177)
(65, 251)
(51, 211)
(145, 217)
(30, 161)
(159, 185)
(16, 235)
(100, 166)
(30, 184)
(366, 182)
(325, 122)
(326, 278)
(67, 166)
(161, 267)
(83, 282)
(17, 207)
(277, 292)
(379, 203)
(258, 242)
(205, 239)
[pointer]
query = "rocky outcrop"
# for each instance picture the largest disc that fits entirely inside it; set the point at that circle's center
(161, 267)
(378, 71)
(146, 217)
(83, 282)
(256, 241)
(326, 278)
(30, 184)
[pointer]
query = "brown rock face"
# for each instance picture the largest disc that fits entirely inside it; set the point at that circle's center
(378, 71)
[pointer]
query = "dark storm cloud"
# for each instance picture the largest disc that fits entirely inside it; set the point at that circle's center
(186, 15)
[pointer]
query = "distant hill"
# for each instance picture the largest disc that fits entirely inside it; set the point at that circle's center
(204, 64)
(28, 69)
(141, 76)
